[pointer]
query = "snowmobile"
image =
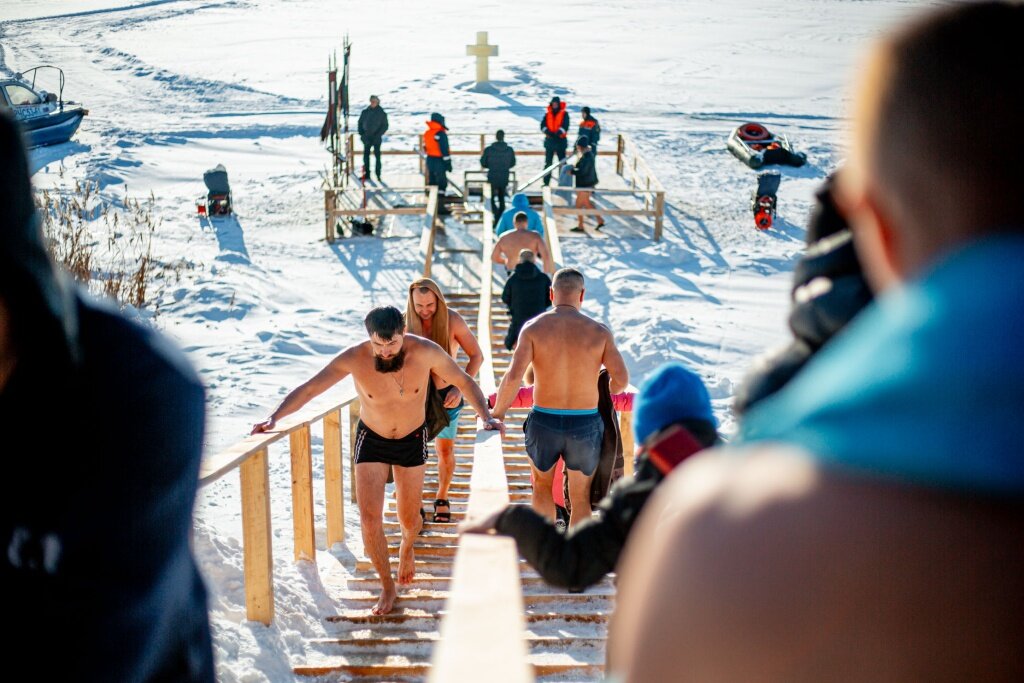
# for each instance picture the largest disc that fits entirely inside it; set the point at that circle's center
(45, 117)
(765, 199)
(756, 146)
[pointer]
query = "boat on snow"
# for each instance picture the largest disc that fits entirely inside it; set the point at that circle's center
(45, 117)
(756, 146)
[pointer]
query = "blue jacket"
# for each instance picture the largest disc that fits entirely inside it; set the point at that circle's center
(520, 203)
(925, 386)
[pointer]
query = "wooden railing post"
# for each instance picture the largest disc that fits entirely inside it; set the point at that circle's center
(429, 230)
(328, 215)
(257, 550)
(659, 216)
(334, 483)
(483, 142)
(618, 155)
(628, 445)
(353, 420)
(302, 494)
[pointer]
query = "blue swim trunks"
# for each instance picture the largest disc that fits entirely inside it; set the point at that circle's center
(453, 416)
(573, 435)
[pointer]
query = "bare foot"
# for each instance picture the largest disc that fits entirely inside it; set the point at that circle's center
(406, 562)
(386, 600)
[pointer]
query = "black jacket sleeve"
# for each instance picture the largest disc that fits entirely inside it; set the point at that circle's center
(589, 551)
(384, 128)
(361, 126)
(506, 293)
(484, 157)
(512, 156)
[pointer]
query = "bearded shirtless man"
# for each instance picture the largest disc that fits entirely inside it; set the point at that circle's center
(390, 372)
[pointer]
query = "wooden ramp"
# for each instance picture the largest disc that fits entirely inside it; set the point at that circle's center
(565, 633)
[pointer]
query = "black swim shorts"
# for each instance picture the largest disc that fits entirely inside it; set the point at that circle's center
(408, 451)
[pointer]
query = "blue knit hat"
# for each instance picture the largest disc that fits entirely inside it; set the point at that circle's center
(670, 394)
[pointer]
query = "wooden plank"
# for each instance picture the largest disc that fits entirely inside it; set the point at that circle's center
(551, 230)
(353, 420)
(334, 482)
(599, 191)
(302, 494)
(568, 210)
(257, 549)
(386, 211)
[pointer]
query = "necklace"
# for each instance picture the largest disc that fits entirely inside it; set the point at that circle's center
(401, 385)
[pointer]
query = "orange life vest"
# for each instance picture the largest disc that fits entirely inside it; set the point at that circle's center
(430, 143)
(554, 121)
(588, 124)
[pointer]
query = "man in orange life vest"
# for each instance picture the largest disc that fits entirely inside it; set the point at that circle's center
(439, 160)
(555, 126)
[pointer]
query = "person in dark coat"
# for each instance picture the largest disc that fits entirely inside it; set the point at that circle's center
(585, 173)
(498, 159)
(590, 129)
(96, 514)
(373, 123)
(672, 420)
(526, 294)
(555, 126)
(439, 160)
(829, 290)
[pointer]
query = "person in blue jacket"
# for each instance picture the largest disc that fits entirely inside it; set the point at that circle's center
(520, 202)
(96, 511)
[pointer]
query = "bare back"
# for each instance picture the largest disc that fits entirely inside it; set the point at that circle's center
(568, 351)
(511, 243)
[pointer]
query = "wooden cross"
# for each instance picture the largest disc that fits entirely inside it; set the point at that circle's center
(481, 50)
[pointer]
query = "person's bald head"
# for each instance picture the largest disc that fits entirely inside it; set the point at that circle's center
(527, 256)
(932, 165)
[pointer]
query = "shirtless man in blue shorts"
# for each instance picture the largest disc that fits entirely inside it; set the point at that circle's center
(390, 371)
(567, 350)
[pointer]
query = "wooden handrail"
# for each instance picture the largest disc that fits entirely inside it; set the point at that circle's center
(551, 230)
(484, 624)
(250, 457)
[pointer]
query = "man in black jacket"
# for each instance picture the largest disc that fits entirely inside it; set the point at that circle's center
(526, 295)
(590, 129)
(585, 173)
(373, 123)
(672, 420)
(96, 515)
(498, 159)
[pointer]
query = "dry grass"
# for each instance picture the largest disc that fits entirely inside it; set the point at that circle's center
(106, 246)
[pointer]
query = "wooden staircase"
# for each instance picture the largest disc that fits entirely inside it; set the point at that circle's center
(565, 633)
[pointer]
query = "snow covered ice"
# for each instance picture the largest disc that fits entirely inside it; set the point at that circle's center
(175, 87)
